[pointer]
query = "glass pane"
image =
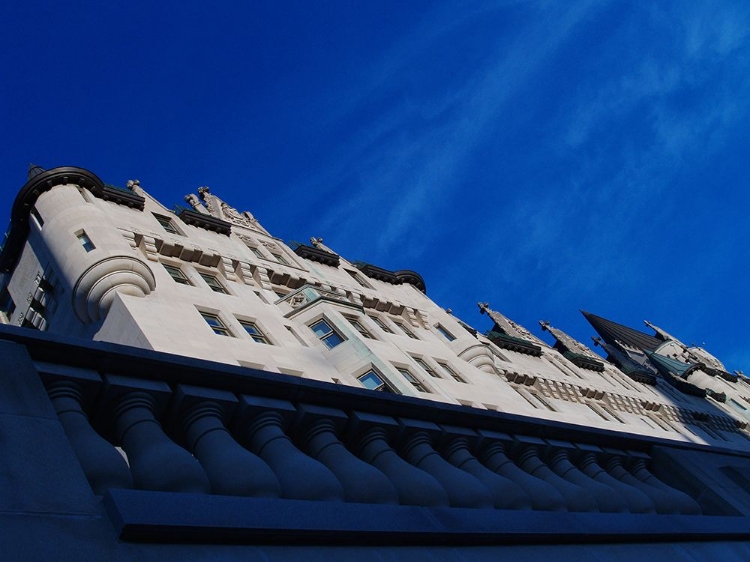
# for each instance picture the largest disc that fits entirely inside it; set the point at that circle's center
(371, 380)
(333, 340)
(321, 328)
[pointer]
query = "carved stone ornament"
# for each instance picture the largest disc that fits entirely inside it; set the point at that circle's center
(222, 210)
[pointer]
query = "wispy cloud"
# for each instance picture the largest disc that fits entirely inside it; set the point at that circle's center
(409, 159)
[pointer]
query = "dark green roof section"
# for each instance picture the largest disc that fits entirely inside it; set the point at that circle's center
(614, 333)
(505, 341)
(669, 365)
(583, 361)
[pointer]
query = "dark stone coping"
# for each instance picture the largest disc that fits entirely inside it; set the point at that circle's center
(168, 517)
(721, 373)
(412, 278)
(642, 376)
(393, 277)
(375, 272)
(514, 344)
(684, 386)
(316, 254)
(583, 361)
(44, 181)
(194, 218)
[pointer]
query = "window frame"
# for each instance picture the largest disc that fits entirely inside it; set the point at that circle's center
(259, 336)
(364, 332)
(407, 332)
(167, 224)
(331, 335)
(220, 327)
(451, 372)
(213, 282)
(426, 368)
(412, 379)
(180, 278)
(384, 385)
(85, 241)
(380, 323)
(444, 332)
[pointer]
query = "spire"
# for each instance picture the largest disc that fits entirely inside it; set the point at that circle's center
(614, 333)
(507, 326)
(34, 171)
(573, 350)
(661, 334)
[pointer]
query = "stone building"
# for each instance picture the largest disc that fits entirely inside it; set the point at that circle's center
(181, 383)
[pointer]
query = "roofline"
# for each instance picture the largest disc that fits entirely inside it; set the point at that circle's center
(18, 230)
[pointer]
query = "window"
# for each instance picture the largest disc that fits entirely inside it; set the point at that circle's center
(426, 368)
(326, 334)
(412, 380)
(213, 282)
(257, 253)
(381, 324)
(167, 224)
(215, 323)
(406, 330)
(374, 381)
(359, 327)
(357, 278)
(281, 259)
(446, 334)
(451, 372)
(254, 332)
(176, 274)
(85, 241)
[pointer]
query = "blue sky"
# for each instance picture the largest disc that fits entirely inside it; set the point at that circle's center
(541, 156)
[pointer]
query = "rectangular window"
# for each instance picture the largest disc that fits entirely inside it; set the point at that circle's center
(215, 323)
(359, 327)
(405, 330)
(426, 368)
(176, 274)
(374, 381)
(213, 282)
(167, 224)
(254, 332)
(446, 334)
(257, 252)
(381, 324)
(412, 380)
(357, 278)
(326, 334)
(281, 259)
(85, 241)
(451, 372)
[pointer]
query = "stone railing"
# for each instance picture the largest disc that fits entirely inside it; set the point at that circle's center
(214, 452)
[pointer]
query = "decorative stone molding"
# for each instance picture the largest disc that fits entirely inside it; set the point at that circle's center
(95, 289)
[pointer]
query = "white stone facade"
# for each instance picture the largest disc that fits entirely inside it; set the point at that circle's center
(98, 269)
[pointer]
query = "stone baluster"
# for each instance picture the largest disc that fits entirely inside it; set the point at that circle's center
(103, 466)
(318, 428)
(607, 498)
(156, 462)
(300, 476)
(576, 498)
(685, 504)
(464, 490)
(369, 437)
(505, 493)
(231, 469)
(544, 497)
(638, 502)
(662, 502)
